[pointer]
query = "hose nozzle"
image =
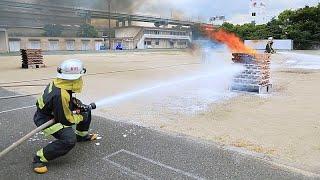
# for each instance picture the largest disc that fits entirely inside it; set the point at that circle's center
(87, 108)
(93, 106)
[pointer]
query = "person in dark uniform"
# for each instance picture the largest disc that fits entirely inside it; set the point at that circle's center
(57, 102)
(269, 46)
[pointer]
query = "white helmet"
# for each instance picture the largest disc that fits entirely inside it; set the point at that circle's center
(71, 69)
(270, 39)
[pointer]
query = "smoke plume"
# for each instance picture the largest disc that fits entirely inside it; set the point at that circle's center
(126, 6)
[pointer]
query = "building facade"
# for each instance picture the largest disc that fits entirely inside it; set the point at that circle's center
(163, 38)
(126, 38)
(3, 41)
(55, 43)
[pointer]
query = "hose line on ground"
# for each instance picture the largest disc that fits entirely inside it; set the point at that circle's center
(18, 96)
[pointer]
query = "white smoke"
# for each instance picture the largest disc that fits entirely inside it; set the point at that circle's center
(190, 92)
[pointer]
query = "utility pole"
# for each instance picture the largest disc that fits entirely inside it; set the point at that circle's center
(109, 31)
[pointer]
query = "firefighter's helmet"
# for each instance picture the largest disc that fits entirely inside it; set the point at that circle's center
(71, 69)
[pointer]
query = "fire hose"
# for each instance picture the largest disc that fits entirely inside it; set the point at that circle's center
(83, 108)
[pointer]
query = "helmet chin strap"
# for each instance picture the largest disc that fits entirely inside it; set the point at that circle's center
(84, 70)
(59, 70)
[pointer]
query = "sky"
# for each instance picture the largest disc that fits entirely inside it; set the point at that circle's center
(236, 11)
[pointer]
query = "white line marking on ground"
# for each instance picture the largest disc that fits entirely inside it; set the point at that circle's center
(125, 170)
(26, 107)
(18, 96)
(112, 154)
(154, 162)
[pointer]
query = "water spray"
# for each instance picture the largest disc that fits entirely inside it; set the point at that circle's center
(220, 72)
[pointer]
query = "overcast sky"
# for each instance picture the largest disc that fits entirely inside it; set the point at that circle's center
(236, 11)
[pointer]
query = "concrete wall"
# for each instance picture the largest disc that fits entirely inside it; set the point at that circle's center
(127, 32)
(3, 41)
(278, 44)
(56, 43)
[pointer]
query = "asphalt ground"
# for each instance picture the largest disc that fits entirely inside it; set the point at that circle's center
(126, 151)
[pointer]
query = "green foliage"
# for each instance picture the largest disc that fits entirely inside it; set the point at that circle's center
(53, 30)
(301, 25)
(86, 30)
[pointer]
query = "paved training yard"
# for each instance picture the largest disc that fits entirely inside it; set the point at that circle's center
(283, 125)
(126, 152)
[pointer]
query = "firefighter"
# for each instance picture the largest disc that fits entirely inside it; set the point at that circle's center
(57, 102)
(269, 48)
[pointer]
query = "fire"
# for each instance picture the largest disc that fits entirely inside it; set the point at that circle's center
(234, 43)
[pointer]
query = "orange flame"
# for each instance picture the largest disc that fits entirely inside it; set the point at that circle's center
(234, 43)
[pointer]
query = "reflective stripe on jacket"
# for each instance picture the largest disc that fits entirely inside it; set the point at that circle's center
(55, 102)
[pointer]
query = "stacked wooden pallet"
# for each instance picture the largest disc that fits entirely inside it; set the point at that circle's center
(256, 74)
(32, 58)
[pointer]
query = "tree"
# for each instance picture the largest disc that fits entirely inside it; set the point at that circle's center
(228, 27)
(301, 25)
(86, 30)
(53, 30)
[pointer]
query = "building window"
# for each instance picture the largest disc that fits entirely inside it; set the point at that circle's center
(70, 45)
(147, 43)
(157, 42)
(34, 44)
(14, 45)
(99, 45)
(182, 43)
(53, 45)
(85, 45)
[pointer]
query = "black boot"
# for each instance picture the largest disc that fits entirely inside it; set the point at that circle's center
(38, 166)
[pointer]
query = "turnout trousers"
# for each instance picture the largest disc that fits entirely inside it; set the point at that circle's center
(66, 137)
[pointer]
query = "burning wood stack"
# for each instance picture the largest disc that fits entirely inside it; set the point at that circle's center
(32, 58)
(256, 75)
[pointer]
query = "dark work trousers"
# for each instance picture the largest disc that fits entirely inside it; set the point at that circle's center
(66, 139)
